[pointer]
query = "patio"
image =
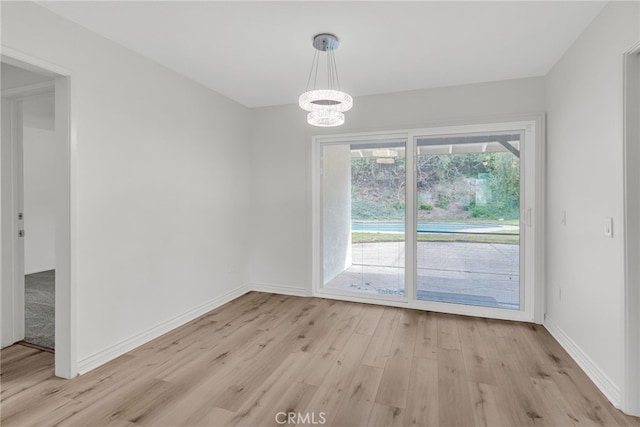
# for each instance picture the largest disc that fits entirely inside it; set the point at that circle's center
(484, 274)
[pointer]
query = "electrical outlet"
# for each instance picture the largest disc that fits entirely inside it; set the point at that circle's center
(563, 218)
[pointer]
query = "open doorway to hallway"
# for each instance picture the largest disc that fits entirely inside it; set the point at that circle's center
(29, 144)
(38, 170)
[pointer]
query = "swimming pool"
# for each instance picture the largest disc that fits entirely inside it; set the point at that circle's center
(426, 227)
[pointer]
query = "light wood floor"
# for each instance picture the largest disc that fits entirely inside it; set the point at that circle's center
(356, 364)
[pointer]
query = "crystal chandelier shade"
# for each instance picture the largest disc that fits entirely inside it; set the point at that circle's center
(325, 118)
(321, 99)
(326, 105)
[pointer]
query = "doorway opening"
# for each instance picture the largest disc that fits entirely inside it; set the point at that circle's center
(35, 193)
(29, 99)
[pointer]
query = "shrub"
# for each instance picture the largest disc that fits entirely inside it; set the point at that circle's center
(426, 206)
(368, 208)
(443, 201)
(480, 212)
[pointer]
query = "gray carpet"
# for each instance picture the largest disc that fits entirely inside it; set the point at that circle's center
(39, 308)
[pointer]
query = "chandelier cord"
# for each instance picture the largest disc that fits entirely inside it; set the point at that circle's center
(333, 79)
(335, 69)
(331, 61)
(315, 80)
(330, 69)
(313, 63)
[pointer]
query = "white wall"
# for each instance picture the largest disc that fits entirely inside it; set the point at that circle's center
(39, 214)
(38, 111)
(584, 178)
(161, 194)
(280, 250)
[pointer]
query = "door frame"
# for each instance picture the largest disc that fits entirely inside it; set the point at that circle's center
(630, 390)
(65, 222)
(533, 126)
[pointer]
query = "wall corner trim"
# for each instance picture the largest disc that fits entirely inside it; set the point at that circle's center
(109, 353)
(593, 371)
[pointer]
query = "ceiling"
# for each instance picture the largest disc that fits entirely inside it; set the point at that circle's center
(259, 53)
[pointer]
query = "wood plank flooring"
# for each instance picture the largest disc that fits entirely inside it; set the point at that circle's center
(343, 363)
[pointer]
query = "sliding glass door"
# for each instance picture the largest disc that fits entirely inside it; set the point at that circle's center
(363, 218)
(441, 219)
(468, 220)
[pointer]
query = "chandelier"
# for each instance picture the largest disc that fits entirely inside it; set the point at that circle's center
(325, 106)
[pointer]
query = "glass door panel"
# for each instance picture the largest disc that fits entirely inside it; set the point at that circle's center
(363, 218)
(468, 220)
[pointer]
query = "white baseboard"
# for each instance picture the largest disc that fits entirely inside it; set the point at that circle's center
(279, 289)
(593, 371)
(118, 349)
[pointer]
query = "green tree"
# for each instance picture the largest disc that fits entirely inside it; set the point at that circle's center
(504, 185)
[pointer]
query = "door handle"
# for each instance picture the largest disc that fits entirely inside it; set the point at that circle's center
(526, 216)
